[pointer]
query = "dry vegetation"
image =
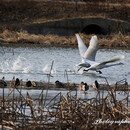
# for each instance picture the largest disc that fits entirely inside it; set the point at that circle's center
(109, 41)
(64, 112)
(16, 14)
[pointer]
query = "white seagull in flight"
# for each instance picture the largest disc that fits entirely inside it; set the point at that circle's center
(88, 56)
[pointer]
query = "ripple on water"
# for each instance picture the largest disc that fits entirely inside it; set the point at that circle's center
(35, 63)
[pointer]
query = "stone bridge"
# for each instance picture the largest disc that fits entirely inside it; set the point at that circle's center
(75, 25)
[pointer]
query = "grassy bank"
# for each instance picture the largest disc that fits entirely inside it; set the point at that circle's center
(111, 41)
(15, 14)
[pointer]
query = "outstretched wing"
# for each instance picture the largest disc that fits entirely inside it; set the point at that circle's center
(92, 49)
(82, 47)
(114, 59)
(87, 55)
(98, 66)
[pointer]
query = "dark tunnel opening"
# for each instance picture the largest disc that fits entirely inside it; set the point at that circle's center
(94, 29)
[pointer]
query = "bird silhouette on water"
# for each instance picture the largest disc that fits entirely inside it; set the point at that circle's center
(28, 83)
(97, 84)
(17, 82)
(3, 82)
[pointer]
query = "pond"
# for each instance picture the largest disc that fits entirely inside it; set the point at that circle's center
(34, 64)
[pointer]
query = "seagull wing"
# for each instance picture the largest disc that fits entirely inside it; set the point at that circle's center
(92, 49)
(82, 47)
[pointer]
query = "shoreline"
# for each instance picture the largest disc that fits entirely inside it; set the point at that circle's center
(66, 86)
(23, 39)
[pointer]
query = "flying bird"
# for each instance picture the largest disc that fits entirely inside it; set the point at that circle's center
(88, 56)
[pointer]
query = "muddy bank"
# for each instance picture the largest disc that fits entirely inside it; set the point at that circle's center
(66, 86)
(12, 38)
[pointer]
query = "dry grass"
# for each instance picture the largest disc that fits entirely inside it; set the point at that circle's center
(16, 15)
(64, 111)
(111, 41)
(23, 37)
